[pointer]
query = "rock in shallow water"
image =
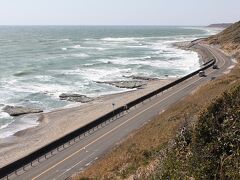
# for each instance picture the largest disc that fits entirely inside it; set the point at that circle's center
(125, 84)
(75, 98)
(20, 110)
(143, 78)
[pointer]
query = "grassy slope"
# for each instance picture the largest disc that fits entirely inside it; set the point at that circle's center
(211, 149)
(229, 39)
(144, 154)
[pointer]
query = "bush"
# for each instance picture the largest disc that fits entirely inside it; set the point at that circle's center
(212, 149)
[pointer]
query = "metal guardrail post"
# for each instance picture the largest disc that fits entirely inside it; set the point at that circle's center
(42, 152)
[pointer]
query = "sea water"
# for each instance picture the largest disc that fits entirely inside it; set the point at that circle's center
(38, 63)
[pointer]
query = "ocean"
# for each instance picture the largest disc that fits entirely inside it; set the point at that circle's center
(38, 63)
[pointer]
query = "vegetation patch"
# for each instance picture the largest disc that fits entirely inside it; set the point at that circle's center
(196, 138)
(141, 155)
(210, 149)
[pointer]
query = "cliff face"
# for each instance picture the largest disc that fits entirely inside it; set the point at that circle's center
(228, 39)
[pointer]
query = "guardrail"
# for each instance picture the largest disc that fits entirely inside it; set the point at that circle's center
(197, 40)
(55, 145)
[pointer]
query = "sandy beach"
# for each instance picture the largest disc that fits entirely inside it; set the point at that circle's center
(55, 124)
(85, 83)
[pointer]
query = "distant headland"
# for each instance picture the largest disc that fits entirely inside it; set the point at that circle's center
(220, 25)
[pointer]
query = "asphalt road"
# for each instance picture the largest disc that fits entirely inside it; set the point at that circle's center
(83, 153)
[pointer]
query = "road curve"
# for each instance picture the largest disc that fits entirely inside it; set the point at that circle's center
(83, 153)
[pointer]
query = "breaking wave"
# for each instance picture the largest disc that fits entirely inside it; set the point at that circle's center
(35, 73)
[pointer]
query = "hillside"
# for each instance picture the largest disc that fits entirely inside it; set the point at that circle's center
(228, 39)
(197, 138)
(211, 149)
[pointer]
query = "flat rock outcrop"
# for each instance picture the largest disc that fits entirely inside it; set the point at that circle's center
(143, 78)
(75, 98)
(20, 110)
(125, 84)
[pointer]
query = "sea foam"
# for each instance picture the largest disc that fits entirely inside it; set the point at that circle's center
(37, 72)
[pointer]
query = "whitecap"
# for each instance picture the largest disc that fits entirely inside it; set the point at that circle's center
(100, 48)
(99, 74)
(5, 115)
(81, 55)
(129, 39)
(22, 123)
(89, 64)
(127, 60)
(43, 77)
(177, 58)
(77, 46)
(51, 89)
(65, 39)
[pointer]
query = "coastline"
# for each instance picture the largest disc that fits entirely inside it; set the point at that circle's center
(174, 155)
(52, 124)
(171, 126)
(189, 46)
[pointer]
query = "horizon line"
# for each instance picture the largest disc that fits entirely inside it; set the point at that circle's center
(98, 25)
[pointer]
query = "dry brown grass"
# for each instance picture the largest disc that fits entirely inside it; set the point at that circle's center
(142, 147)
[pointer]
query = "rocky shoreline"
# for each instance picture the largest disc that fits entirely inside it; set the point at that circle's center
(59, 122)
(75, 98)
(137, 82)
(192, 46)
(125, 84)
(20, 110)
(142, 78)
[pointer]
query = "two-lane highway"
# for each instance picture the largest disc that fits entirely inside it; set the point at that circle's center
(81, 154)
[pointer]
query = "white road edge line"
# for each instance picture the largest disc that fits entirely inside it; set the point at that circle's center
(116, 128)
(75, 165)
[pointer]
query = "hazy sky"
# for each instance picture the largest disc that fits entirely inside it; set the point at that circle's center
(118, 12)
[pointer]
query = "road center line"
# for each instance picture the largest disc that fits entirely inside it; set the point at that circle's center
(68, 157)
(75, 165)
(110, 132)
